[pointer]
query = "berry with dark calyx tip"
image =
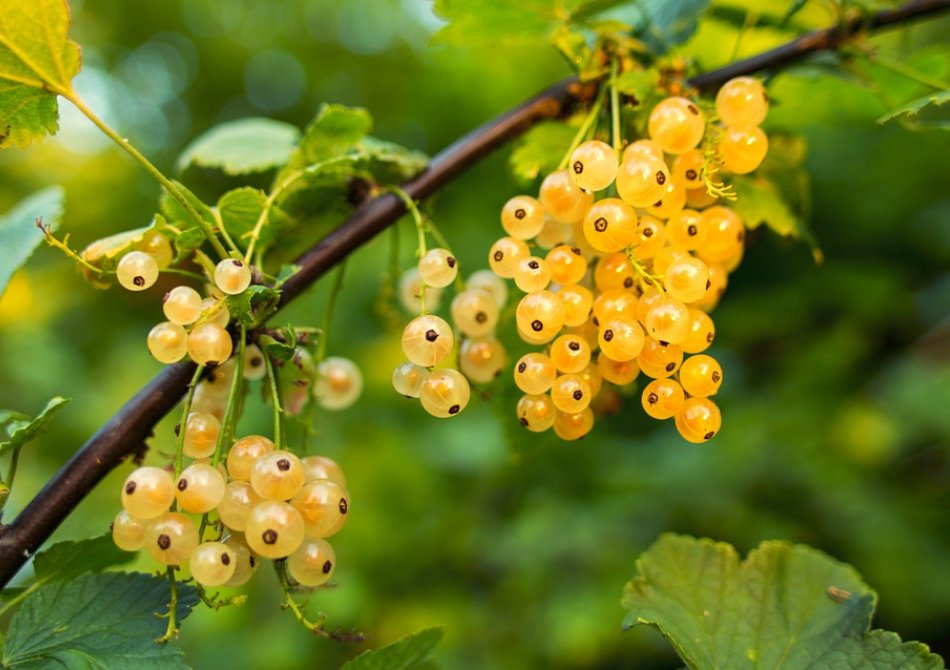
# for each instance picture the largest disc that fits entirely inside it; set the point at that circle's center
(339, 383)
(702, 332)
(659, 360)
(427, 340)
(610, 225)
(505, 255)
(244, 453)
(128, 533)
(137, 271)
(621, 339)
(245, 563)
(148, 492)
(593, 165)
(167, 342)
(676, 125)
(668, 321)
(438, 268)
(536, 412)
(274, 529)
(324, 506)
(481, 359)
(571, 393)
(522, 217)
(566, 264)
(232, 276)
(171, 538)
(686, 230)
(562, 199)
(701, 376)
(408, 379)
(474, 312)
(685, 279)
(532, 274)
(641, 180)
(540, 316)
(570, 353)
(313, 563)
(277, 475)
(698, 420)
(200, 488)
(535, 373)
(445, 393)
(662, 398)
(212, 563)
(688, 169)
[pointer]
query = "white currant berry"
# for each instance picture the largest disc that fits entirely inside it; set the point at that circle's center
(474, 312)
(171, 538)
(200, 488)
(313, 563)
(277, 475)
(438, 268)
(212, 563)
(244, 453)
(411, 287)
(593, 165)
(167, 342)
(201, 434)
(427, 340)
(182, 305)
(274, 529)
(232, 276)
(408, 379)
(254, 367)
(208, 343)
(148, 492)
(245, 562)
(322, 467)
(239, 498)
(215, 312)
(324, 507)
(128, 533)
(487, 280)
(339, 383)
(445, 393)
(137, 271)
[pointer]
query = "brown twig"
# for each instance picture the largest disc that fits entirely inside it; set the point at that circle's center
(133, 423)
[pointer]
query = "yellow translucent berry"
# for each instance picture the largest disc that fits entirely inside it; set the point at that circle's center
(665, 257)
(535, 373)
(200, 488)
(481, 359)
(562, 199)
(137, 271)
(701, 375)
(427, 340)
(699, 198)
(686, 230)
(725, 236)
(255, 368)
(621, 339)
(672, 201)
(577, 301)
(322, 467)
(148, 492)
(215, 312)
(167, 342)
(702, 331)
(505, 255)
(570, 353)
(312, 564)
(650, 299)
(474, 312)
(540, 316)
(274, 529)
(201, 434)
(554, 234)
(245, 563)
(571, 393)
(536, 412)
(238, 500)
(620, 373)
(408, 379)
(686, 279)
(522, 217)
(339, 383)
(171, 538)
(676, 125)
(182, 305)
(688, 169)
(128, 533)
(743, 149)
(277, 475)
(232, 276)
(323, 505)
(532, 274)
(668, 321)
(411, 288)
(158, 247)
(662, 398)
(571, 427)
(212, 563)
(651, 238)
(566, 264)
(615, 303)
(718, 280)
(244, 453)
(486, 280)
(610, 225)
(593, 165)
(614, 271)
(589, 331)
(438, 268)
(208, 343)
(641, 181)
(445, 393)
(698, 420)
(592, 375)
(659, 360)
(742, 102)
(642, 149)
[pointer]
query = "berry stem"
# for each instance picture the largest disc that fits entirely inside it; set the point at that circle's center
(65, 248)
(278, 405)
(585, 127)
(615, 108)
(229, 422)
(6, 486)
(183, 426)
(644, 274)
(295, 608)
(172, 630)
(157, 174)
(421, 248)
(335, 289)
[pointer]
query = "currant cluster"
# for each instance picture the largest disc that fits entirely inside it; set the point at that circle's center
(206, 340)
(268, 503)
(637, 253)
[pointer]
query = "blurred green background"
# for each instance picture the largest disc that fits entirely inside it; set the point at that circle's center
(837, 392)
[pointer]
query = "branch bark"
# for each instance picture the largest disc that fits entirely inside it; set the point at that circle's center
(127, 430)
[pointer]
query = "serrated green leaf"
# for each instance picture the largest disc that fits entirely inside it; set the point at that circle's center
(21, 432)
(71, 558)
(913, 108)
(190, 235)
(783, 606)
(100, 621)
(639, 84)
(494, 21)
(389, 163)
(37, 62)
(334, 130)
(572, 43)
(540, 150)
(286, 271)
(276, 349)
(664, 24)
(244, 146)
(410, 653)
(239, 210)
(19, 235)
(242, 306)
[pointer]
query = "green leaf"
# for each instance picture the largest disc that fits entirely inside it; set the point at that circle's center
(540, 150)
(641, 85)
(242, 147)
(276, 349)
(499, 21)
(664, 24)
(21, 432)
(286, 271)
(37, 62)
(19, 235)
(759, 202)
(389, 163)
(99, 621)
(190, 235)
(334, 130)
(239, 210)
(912, 109)
(783, 606)
(71, 558)
(410, 653)
(572, 44)
(242, 306)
